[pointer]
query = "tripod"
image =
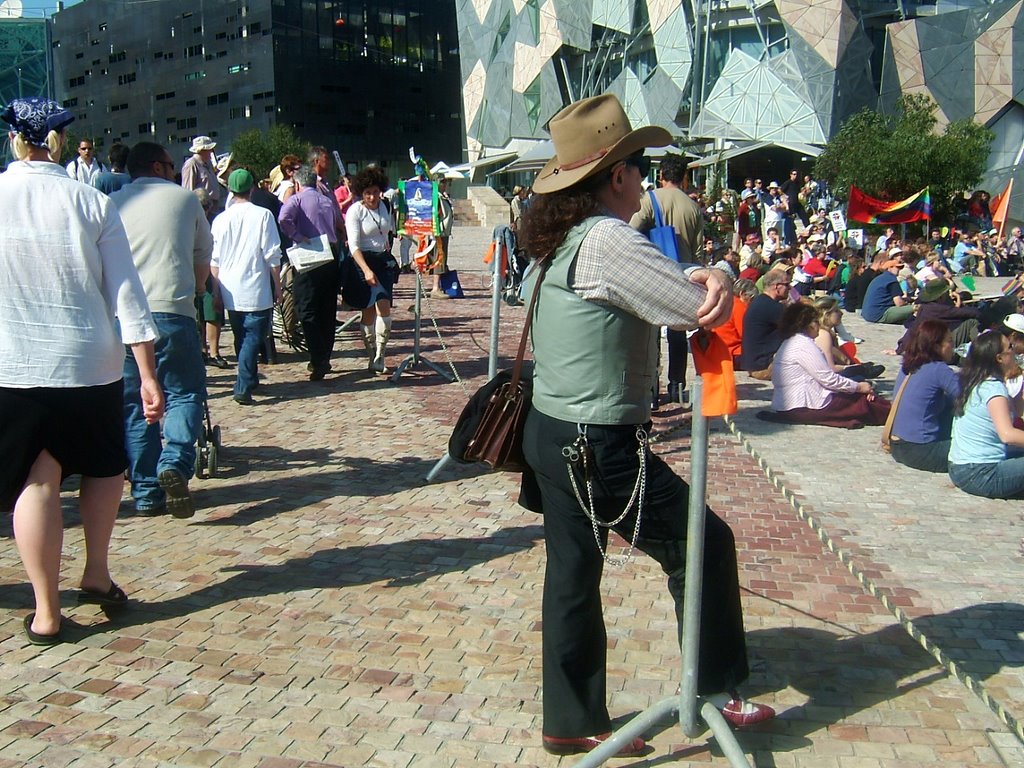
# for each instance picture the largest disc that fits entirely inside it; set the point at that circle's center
(416, 358)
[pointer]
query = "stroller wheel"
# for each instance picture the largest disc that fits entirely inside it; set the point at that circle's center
(201, 463)
(211, 461)
(215, 435)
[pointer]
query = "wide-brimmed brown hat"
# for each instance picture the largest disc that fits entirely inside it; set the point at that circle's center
(589, 136)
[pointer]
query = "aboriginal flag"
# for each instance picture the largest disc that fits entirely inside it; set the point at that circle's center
(870, 210)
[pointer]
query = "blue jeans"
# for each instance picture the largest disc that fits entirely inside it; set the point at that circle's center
(995, 480)
(181, 373)
(249, 330)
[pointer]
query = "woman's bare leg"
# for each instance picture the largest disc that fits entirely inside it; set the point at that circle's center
(98, 500)
(39, 533)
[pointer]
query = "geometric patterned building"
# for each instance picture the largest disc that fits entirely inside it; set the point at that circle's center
(782, 70)
(24, 63)
(971, 63)
(779, 71)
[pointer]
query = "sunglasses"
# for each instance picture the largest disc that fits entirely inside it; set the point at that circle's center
(641, 162)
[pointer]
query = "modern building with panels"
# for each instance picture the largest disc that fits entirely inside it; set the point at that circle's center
(365, 78)
(24, 63)
(971, 63)
(723, 75)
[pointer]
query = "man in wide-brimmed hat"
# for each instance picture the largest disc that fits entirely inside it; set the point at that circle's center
(200, 170)
(602, 291)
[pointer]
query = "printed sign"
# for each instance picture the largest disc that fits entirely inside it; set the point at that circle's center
(838, 220)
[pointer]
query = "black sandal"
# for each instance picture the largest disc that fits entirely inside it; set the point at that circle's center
(112, 598)
(39, 639)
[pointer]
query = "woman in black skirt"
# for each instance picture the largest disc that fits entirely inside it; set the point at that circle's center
(370, 279)
(68, 271)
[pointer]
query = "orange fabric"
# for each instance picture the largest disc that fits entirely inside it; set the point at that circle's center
(489, 257)
(850, 350)
(713, 361)
(1000, 207)
(731, 332)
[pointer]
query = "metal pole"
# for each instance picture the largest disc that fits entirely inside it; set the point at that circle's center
(499, 259)
(687, 702)
(690, 643)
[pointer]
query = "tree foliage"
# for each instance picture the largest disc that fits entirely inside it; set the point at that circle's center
(894, 156)
(260, 151)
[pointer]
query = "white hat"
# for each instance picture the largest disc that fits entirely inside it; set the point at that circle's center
(1014, 322)
(201, 143)
(814, 237)
(773, 184)
(894, 252)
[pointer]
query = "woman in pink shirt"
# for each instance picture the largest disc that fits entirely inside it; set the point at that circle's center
(807, 389)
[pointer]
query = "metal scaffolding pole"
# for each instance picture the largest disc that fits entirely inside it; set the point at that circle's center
(687, 703)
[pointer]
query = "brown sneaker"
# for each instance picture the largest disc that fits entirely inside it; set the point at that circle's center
(764, 375)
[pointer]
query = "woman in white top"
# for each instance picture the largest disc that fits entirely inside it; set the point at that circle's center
(831, 318)
(807, 390)
(68, 271)
(289, 165)
(368, 283)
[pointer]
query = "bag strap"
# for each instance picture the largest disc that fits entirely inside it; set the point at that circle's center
(891, 418)
(517, 369)
(659, 221)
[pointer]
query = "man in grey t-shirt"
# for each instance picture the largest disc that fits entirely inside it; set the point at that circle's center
(171, 246)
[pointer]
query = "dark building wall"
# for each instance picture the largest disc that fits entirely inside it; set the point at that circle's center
(371, 79)
(383, 79)
(165, 71)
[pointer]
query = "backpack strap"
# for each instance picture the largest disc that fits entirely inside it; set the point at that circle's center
(659, 221)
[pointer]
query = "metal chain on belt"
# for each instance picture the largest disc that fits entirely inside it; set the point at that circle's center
(580, 452)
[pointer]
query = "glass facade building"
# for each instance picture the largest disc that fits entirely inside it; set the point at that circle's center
(781, 72)
(24, 63)
(366, 78)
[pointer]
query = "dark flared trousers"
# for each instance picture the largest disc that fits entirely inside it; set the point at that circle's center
(846, 410)
(574, 640)
(316, 304)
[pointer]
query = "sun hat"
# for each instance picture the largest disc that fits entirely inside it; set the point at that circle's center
(894, 252)
(814, 237)
(240, 181)
(201, 143)
(933, 290)
(35, 117)
(589, 136)
(773, 184)
(1014, 322)
(993, 231)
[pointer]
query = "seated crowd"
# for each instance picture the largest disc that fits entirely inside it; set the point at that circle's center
(787, 329)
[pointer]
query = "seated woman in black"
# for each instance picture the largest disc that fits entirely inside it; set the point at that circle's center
(924, 413)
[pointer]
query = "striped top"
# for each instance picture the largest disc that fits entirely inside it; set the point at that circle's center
(802, 376)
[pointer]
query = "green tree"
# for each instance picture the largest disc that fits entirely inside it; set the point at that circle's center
(260, 151)
(893, 156)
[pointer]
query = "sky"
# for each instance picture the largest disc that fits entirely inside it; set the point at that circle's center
(34, 9)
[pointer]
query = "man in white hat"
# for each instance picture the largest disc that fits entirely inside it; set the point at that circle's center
(775, 211)
(599, 293)
(200, 171)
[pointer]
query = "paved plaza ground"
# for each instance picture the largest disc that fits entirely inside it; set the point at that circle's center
(327, 606)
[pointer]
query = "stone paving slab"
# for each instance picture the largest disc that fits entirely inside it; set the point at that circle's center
(326, 607)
